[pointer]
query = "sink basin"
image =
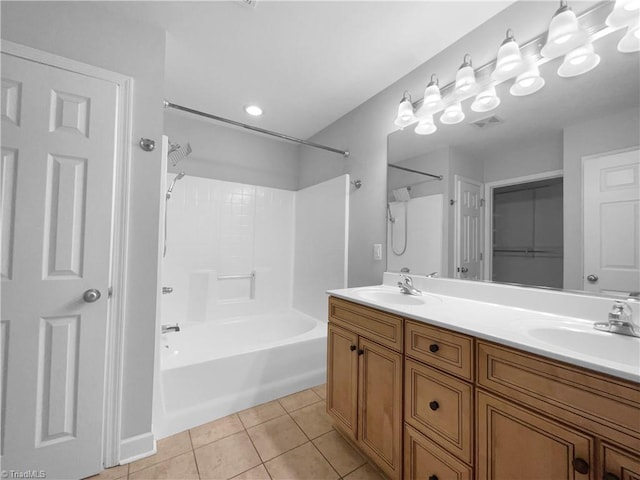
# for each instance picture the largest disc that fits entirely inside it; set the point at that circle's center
(616, 348)
(391, 296)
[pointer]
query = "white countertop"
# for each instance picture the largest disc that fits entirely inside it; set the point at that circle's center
(561, 337)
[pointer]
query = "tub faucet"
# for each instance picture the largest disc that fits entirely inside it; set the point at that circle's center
(406, 286)
(170, 328)
(620, 321)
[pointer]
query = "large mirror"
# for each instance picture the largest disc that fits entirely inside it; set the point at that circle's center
(541, 191)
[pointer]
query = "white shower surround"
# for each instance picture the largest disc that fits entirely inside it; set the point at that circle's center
(234, 351)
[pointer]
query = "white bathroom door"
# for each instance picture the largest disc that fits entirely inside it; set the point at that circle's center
(611, 189)
(468, 229)
(58, 158)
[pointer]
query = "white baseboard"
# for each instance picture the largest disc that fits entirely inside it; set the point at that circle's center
(135, 448)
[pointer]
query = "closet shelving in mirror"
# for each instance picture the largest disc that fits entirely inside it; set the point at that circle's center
(569, 35)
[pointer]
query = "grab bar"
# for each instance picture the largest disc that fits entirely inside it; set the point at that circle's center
(251, 276)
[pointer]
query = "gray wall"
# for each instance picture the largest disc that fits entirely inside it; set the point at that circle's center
(233, 154)
(594, 136)
(82, 31)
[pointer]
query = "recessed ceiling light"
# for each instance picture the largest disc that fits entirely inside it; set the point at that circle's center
(253, 110)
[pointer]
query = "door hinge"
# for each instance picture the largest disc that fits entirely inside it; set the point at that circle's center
(482, 202)
(110, 292)
(481, 256)
(452, 201)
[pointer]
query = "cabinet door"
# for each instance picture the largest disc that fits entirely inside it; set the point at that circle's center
(380, 400)
(515, 443)
(618, 465)
(342, 379)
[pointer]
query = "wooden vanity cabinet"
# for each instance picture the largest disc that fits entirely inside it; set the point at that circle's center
(616, 464)
(364, 380)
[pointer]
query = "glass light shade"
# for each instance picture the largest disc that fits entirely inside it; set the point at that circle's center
(452, 114)
(432, 101)
(405, 113)
(564, 34)
(466, 77)
(527, 82)
(509, 62)
(426, 126)
(579, 61)
(486, 100)
(631, 41)
(624, 12)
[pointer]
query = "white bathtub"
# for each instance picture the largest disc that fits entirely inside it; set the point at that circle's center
(209, 370)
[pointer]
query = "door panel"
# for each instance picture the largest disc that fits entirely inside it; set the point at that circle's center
(468, 229)
(342, 380)
(58, 159)
(611, 188)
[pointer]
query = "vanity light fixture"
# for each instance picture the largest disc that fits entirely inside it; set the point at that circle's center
(466, 77)
(432, 99)
(528, 82)
(253, 110)
(486, 100)
(578, 61)
(405, 115)
(425, 125)
(452, 114)
(631, 41)
(564, 33)
(509, 62)
(624, 12)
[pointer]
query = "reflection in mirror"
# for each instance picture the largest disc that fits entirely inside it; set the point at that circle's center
(543, 190)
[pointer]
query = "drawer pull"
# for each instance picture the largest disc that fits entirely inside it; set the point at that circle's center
(610, 476)
(580, 466)
(434, 405)
(352, 347)
(361, 352)
(433, 348)
(433, 477)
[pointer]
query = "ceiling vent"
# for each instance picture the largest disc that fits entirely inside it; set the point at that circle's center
(487, 121)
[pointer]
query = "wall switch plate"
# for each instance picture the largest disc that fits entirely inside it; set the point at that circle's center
(377, 251)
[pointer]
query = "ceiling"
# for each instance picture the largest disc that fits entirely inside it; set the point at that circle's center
(306, 63)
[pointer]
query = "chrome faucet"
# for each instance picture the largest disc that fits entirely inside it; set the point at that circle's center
(170, 328)
(406, 286)
(620, 321)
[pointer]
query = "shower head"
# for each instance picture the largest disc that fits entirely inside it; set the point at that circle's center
(177, 152)
(173, 184)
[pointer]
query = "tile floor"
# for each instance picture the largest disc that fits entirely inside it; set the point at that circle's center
(290, 438)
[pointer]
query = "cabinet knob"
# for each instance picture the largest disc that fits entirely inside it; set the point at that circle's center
(361, 352)
(352, 348)
(433, 477)
(610, 476)
(580, 466)
(433, 348)
(434, 405)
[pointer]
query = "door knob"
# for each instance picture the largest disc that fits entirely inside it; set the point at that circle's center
(464, 269)
(91, 295)
(592, 278)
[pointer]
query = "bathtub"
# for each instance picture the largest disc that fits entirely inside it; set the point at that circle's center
(212, 369)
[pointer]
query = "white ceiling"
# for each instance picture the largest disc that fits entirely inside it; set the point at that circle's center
(306, 63)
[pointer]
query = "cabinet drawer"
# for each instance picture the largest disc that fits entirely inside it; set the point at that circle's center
(605, 406)
(440, 406)
(443, 349)
(423, 459)
(617, 464)
(383, 328)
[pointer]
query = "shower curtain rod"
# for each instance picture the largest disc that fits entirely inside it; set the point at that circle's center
(255, 129)
(439, 177)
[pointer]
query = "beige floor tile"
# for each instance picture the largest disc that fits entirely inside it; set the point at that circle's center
(321, 390)
(167, 448)
(256, 473)
(182, 467)
(227, 457)
(261, 413)
(340, 454)
(301, 463)
(313, 419)
(276, 436)
(365, 472)
(212, 431)
(112, 473)
(299, 400)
